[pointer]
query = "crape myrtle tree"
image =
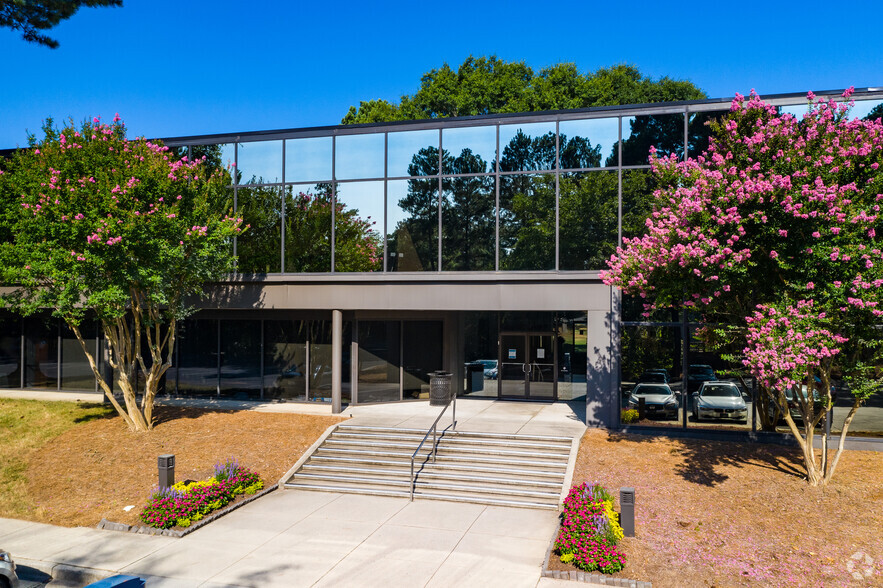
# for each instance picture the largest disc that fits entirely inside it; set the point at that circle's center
(775, 230)
(99, 225)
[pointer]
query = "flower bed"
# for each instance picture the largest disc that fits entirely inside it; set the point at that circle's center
(187, 502)
(590, 531)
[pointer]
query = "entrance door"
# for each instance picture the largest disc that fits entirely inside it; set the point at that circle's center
(527, 366)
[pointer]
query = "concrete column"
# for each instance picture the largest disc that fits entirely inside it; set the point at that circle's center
(602, 364)
(336, 361)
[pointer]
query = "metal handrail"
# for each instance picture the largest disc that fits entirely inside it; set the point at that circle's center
(433, 429)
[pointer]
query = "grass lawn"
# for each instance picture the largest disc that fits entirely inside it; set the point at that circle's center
(73, 464)
(26, 426)
(715, 513)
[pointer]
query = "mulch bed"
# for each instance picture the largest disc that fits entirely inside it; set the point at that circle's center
(94, 470)
(716, 513)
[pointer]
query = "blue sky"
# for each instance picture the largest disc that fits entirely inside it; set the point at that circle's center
(174, 68)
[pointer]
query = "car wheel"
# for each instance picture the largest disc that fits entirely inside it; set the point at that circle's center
(4, 583)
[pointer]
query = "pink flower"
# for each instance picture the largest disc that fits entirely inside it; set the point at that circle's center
(810, 286)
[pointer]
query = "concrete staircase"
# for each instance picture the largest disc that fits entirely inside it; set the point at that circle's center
(487, 468)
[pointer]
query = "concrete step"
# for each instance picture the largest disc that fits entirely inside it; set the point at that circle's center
(486, 468)
(452, 440)
(443, 445)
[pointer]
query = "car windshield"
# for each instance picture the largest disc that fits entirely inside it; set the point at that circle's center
(651, 390)
(701, 369)
(721, 390)
(653, 377)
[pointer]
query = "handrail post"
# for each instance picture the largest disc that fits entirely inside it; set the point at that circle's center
(412, 478)
(454, 414)
(434, 442)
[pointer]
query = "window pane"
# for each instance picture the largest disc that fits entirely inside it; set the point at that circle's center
(724, 406)
(589, 219)
(665, 132)
(571, 329)
(481, 338)
(259, 247)
(469, 222)
(700, 132)
(637, 201)
(308, 228)
(412, 225)
(359, 156)
(285, 360)
(197, 371)
(479, 142)
(358, 227)
(76, 373)
(260, 162)
(652, 355)
(867, 109)
(308, 160)
(10, 350)
(241, 359)
(41, 352)
(527, 147)
(413, 153)
(527, 222)
(421, 355)
(379, 360)
(588, 143)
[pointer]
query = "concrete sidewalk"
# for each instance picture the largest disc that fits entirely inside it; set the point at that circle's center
(300, 538)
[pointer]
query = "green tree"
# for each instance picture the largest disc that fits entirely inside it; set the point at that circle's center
(772, 236)
(489, 85)
(120, 229)
(32, 16)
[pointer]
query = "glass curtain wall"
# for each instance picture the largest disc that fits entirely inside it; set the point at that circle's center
(10, 350)
(541, 195)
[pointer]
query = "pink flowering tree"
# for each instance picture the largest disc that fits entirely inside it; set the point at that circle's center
(774, 230)
(94, 224)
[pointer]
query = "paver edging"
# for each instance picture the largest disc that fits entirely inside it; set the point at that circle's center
(589, 578)
(145, 530)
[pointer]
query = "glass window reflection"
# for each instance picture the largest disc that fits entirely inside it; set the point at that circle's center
(527, 147)
(589, 219)
(308, 228)
(588, 143)
(527, 222)
(359, 157)
(260, 162)
(665, 132)
(259, 247)
(479, 143)
(700, 131)
(241, 359)
(469, 223)
(359, 227)
(412, 153)
(285, 360)
(308, 160)
(412, 225)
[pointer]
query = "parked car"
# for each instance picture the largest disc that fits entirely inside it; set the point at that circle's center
(654, 376)
(697, 375)
(490, 368)
(659, 400)
(719, 400)
(8, 577)
(794, 406)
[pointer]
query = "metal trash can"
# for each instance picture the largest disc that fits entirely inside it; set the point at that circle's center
(440, 388)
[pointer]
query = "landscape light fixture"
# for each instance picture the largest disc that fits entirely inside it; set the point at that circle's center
(166, 465)
(627, 508)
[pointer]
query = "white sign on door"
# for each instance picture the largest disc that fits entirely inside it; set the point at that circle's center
(541, 353)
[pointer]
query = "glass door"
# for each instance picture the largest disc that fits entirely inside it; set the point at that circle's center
(527, 366)
(511, 375)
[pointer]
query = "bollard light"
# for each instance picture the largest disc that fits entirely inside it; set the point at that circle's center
(627, 508)
(166, 465)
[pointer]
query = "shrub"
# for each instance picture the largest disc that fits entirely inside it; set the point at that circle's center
(590, 530)
(629, 415)
(187, 502)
